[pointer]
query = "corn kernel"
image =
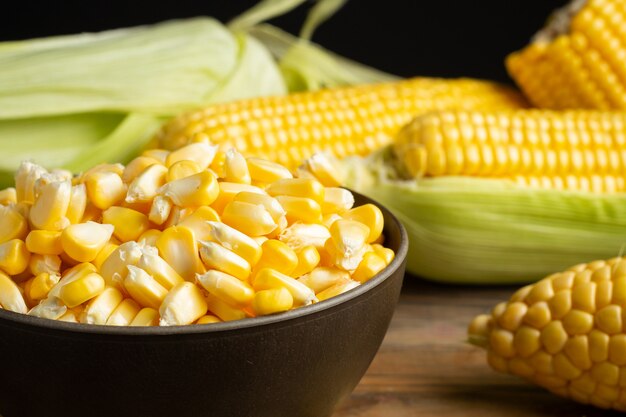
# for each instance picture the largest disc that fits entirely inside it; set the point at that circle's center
(228, 191)
(278, 256)
(50, 206)
(50, 264)
(300, 235)
(12, 224)
(370, 265)
(160, 270)
(124, 313)
(136, 167)
(272, 301)
(182, 169)
(178, 247)
(105, 189)
(83, 241)
(145, 186)
(298, 187)
(10, 295)
(387, 254)
(78, 204)
(251, 219)
(337, 289)
(234, 240)
(44, 242)
(50, 308)
(41, 285)
(128, 224)
(300, 209)
(226, 287)
(236, 168)
(160, 210)
(208, 319)
(198, 222)
(337, 200)
(8, 196)
(25, 177)
(146, 317)
(223, 310)
(266, 172)
(14, 257)
(184, 304)
(268, 278)
(217, 257)
(158, 154)
(144, 288)
(200, 189)
(322, 278)
(308, 259)
(320, 166)
(149, 237)
(82, 289)
(202, 154)
(113, 269)
(100, 308)
(370, 216)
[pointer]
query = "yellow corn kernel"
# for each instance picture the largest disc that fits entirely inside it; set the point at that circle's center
(251, 219)
(266, 172)
(44, 242)
(208, 319)
(10, 295)
(41, 285)
(128, 224)
(105, 189)
(14, 257)
(117, 169)
(149, 237)
(81, 289)
(322, 278)
(228, 191)
(69, 316)
(272, 301)
(226, 287)
(160, 270)
(104, 254)
(370, 216)
(145, 186)
(236, 167)
(100, 308)
(182, 169)
(271, 204)
(160, 210)
(308, 259)
(25, 177)
(146, 317)
(113, 269)
(25, 289)
(300, 235)
(91, 213)
(78, 204)
(200, 189)
(337, 200)
(217, 257)
(184, 304)
(83, 241)
(321, 168)
(49, 308)
(200, 153)
(337, 289)
(349, 238)
(178, 247)
(370, 265)
(78, 271)
(198, 222)
(124, 313)
(8, 196)
(234, 240)
(268, 278)
(277, 255)
(387, 254)
(144, 288)
(50, 264)
(12, 224)
(298, 187)
(50, 206)
(135, 167)
(300, 209)
(223, 310)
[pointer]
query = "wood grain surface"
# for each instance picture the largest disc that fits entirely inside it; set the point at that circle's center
(425, 368)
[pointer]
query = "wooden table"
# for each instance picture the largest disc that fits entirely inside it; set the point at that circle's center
(425, 368)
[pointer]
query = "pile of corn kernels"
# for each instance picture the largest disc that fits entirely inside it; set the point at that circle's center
(196, 235)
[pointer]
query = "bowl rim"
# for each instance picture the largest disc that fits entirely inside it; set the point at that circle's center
(33, 322)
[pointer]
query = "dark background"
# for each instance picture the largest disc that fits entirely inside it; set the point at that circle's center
(436, 38)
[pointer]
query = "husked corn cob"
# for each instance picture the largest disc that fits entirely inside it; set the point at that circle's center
(564, 333)
(228, 246)
(578, 150)
(343, 121)
(577, 60)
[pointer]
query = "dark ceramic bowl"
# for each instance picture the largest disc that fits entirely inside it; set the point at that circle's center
(296, 364)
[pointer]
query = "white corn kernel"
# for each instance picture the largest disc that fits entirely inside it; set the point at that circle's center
(184, 304)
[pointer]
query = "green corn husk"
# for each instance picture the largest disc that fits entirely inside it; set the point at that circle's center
(489, 231)
(78, 100)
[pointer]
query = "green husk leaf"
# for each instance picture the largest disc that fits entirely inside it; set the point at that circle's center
(490, 231)
(322, 11)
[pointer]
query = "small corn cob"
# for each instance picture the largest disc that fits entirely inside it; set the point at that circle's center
(565, 333)
(228, 246)
(577, 60)
(345, 121)
(578, 150)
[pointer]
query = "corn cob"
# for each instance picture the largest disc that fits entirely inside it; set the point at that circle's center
(577, 150)
(564, 333)
(345, 121)
(214, 255)
(577, 61)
